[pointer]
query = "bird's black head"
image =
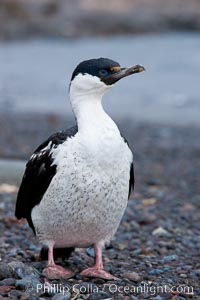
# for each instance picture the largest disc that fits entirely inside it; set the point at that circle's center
(107, 70)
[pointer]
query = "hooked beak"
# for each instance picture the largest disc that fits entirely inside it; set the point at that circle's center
(123, 72)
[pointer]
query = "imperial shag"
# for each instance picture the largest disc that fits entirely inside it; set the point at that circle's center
(76, 184)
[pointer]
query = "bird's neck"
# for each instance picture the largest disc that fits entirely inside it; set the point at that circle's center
(90, 114)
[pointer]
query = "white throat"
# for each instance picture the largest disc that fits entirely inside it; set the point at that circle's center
(86, 94)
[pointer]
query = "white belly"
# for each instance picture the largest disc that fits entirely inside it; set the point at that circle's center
(85, 200)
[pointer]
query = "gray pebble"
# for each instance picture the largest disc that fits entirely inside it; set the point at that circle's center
(166, 269)
(60, 296)
(5, 271)
(158, 297)
(169, 258)
(90, 252)
(197, 272)
(16, 264)
(156, 272)
(21, 273)
(30, 282)
(168, 280)
(145, 295)
(132, 276)
(100, 296)
(136, 252)
(183, 275)
(14, 294)
(8, 281)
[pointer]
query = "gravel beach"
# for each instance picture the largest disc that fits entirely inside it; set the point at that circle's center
(155, 252)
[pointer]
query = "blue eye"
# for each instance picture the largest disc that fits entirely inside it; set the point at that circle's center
(103, 72)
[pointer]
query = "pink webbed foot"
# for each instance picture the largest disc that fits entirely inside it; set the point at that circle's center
(99, 273)
(57, 272)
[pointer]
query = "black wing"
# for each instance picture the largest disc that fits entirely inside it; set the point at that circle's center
(38, 175)
(132, 177)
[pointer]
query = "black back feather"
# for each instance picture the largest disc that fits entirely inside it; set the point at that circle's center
(38, 174)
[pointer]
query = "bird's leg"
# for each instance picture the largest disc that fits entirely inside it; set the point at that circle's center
(97, 270)
(53, 271)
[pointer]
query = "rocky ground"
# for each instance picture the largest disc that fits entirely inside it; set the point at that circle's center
(155, 252)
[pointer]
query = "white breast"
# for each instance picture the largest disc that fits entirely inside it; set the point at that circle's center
(88, 195)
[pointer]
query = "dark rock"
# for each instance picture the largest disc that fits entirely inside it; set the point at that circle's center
(99, 296)
(65, 296)
(14, 294)
(120, 297)
(18, 268)
(5, 271)
(136, 252)
(166, 269)
(124, 282)
(8, 281)
(28, 283)
(158, 297)
(197, 272)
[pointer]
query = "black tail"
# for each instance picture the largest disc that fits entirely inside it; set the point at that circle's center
(63, 253)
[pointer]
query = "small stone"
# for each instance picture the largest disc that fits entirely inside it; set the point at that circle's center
(149, 201)
(90, 252)
(187, 207)
(25, 296)
(8, 281)
(5, 289)
(160, 231)
(182, 275)
(170, 281)
(60, 296)
(121, 297)
(158, 297)
(17, 266)
(156, 272)
(100, 296)
(21, 273)
(146, 218)
(166, 269)
(5, 271)
(145, 295)
(14, 294)
(197, 272)
(21, 270)
(132, 276)
(136, 252)
(169, 258)
(28, 283)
